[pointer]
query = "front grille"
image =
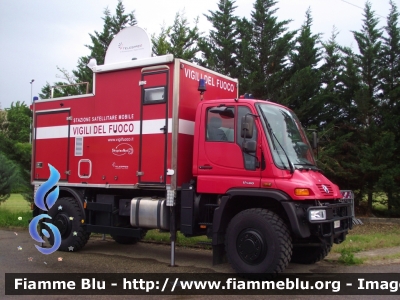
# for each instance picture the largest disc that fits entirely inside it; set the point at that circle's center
(325, 189)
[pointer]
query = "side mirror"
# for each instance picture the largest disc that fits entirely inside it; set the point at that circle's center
(247, 127)
(301, 148)
(315, 140)
(249, 146)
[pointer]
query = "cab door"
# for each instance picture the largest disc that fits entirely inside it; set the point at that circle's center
(222, 164)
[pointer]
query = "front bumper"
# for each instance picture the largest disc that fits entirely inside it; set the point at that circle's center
(335, 225)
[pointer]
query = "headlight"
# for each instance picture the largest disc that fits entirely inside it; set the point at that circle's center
(317, 214)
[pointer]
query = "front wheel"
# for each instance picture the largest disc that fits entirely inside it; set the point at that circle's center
(258, 241)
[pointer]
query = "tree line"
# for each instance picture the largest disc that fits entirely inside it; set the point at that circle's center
(351, 97)
(15, 151)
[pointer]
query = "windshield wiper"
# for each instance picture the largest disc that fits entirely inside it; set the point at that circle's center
(274, 136)
(311, 167)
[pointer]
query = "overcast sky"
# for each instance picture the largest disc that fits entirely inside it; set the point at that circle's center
(36, 36)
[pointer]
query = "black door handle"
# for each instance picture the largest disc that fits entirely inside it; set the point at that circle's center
(205, 167)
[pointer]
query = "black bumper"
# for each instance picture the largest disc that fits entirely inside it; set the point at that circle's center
(335, 226)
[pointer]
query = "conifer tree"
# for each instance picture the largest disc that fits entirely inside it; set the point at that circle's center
(389, 182)
(246, 56)
(219, 49)
(179, 39)
(271, 43)
(338, 149)
(331, 71)
(367, 102)
(301, 90)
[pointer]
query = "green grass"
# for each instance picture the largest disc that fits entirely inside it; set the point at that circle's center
(367, 237)
(370, 237)
(15, 212)
(16, 203)
(347, 257)
(164, 237)
(12, 219)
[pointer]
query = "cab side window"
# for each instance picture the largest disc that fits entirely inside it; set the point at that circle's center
(221, 126)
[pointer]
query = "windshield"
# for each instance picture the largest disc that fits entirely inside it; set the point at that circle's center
(286, 136)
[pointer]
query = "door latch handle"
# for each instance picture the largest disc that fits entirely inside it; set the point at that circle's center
(205, 167)
(164, 129)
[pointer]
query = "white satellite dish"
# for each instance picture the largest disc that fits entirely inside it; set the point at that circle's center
(130, 43)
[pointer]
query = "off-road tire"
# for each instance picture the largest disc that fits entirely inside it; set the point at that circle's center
(73, 234)
(258, 241)
(309, 255)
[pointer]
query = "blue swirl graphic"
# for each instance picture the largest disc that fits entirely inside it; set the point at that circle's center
(40, 202)
(35, 235)
(45, 187)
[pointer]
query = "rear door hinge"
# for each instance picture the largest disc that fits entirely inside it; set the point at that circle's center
(69, 118)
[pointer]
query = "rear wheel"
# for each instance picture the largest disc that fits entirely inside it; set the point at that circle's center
(310, 254)
(67, 215)
(258, 241)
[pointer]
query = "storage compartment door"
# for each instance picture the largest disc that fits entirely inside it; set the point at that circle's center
(154, 128)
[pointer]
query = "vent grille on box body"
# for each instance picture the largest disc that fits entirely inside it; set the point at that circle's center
(78, 146)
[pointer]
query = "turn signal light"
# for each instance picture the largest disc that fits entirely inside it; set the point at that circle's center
(302, 192)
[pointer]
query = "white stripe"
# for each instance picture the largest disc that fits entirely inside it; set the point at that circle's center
(154, 126)
(52, 132)
(112, 129)
(186, 127)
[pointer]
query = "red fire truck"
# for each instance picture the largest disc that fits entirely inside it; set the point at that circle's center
(165, 144)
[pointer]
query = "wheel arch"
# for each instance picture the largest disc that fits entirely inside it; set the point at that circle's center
(237, 200)
(78, 194)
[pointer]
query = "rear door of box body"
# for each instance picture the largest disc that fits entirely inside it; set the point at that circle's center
(51, 143)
